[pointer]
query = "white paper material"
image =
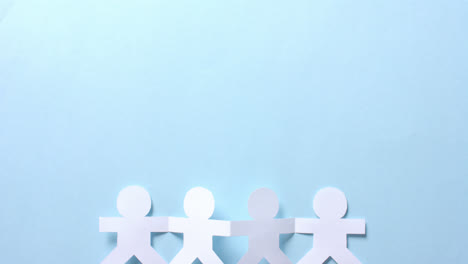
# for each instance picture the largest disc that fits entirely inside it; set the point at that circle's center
(198, 229)
(134, 228)
(263, 231)
(330, 230)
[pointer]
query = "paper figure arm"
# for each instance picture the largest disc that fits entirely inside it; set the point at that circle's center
(286, 226)
(111, 224)
(354, 226)
(220, 227)
(177, 224)
(306, 225)
(158, 224)
(241, 228)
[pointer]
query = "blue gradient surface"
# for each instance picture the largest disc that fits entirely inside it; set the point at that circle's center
(367, 96)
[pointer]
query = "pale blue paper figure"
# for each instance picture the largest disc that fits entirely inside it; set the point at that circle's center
(134, 228)
(330, 231)
(264, 231)
(198, 229)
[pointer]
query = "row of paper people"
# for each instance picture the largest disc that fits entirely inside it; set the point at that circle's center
(134, 228)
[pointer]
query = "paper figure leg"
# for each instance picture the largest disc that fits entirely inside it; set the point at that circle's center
(346, 257)
(250, 258)
(210, 257)
(149, 256)
(184, 257)
(314, 256)
(117, 256)
(278, 257)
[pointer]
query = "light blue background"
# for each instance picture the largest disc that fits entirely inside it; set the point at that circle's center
(368, 96)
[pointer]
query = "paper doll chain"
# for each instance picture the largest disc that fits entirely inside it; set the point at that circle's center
(135, 227)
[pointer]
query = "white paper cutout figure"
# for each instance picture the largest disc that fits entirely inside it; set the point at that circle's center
(330, 231)
(264, 231)
(134, 228)
(198, 229)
